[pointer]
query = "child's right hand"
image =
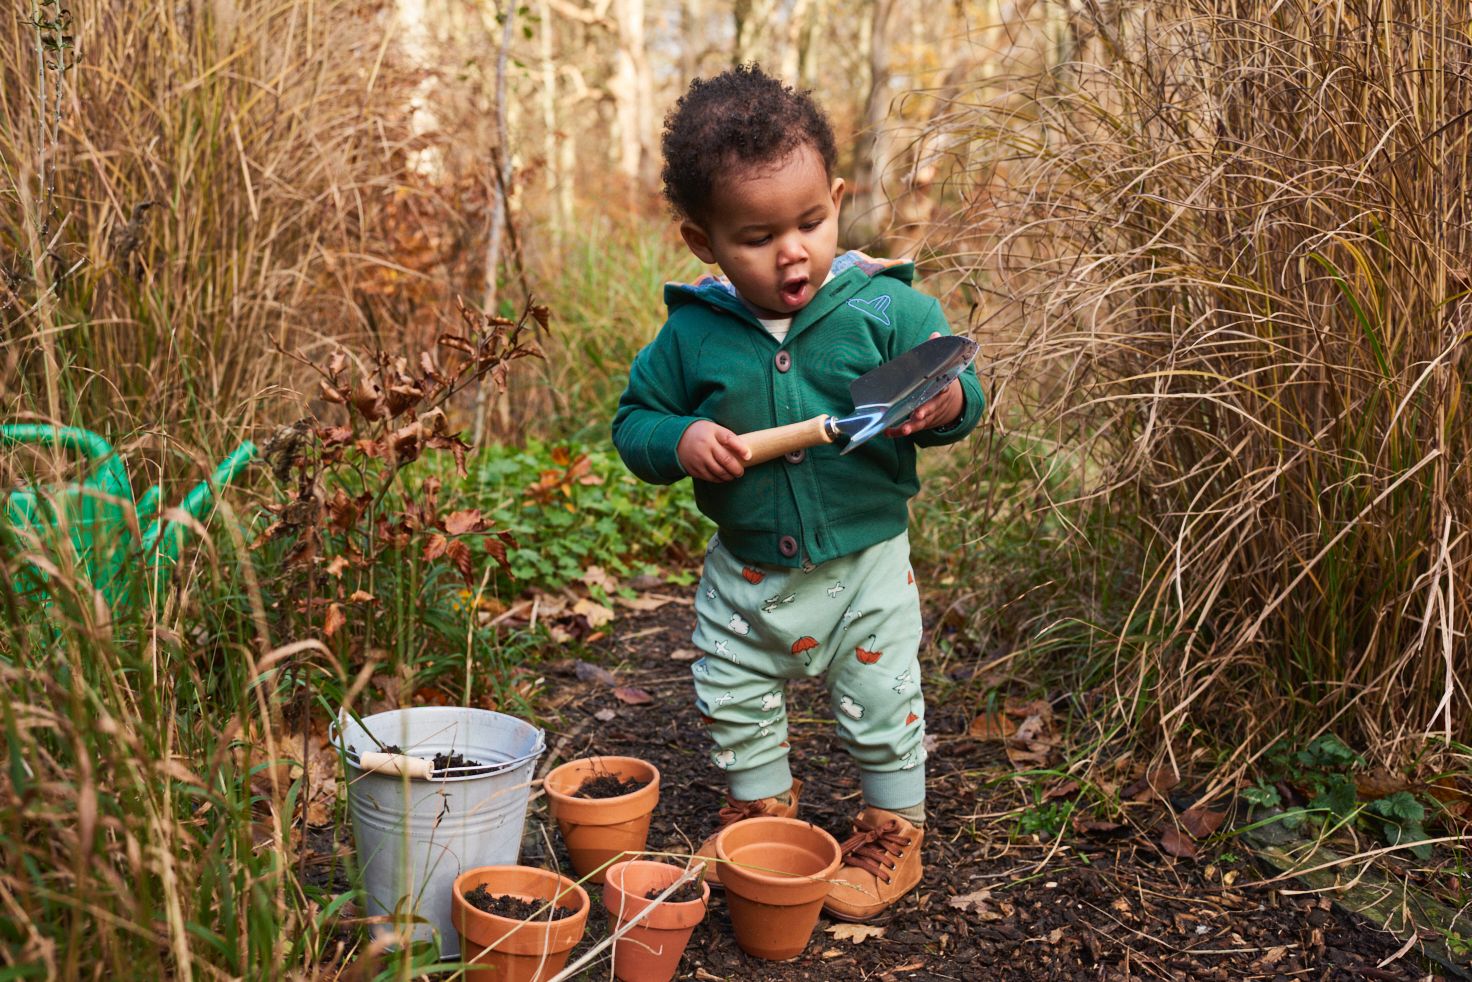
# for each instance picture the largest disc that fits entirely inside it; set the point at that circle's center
(711, 452)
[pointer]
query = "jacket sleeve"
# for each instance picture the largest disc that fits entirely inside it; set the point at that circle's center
(975, 401)
(652, 413)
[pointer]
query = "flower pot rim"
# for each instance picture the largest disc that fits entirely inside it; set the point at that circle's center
(669, 915)
(777, 880)
(563, 797)
(567, 929)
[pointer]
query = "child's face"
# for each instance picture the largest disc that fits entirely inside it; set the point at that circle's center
(773, 231)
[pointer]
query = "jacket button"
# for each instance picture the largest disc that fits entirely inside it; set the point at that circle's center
(796, 456)
(787, 546)
(783, 361)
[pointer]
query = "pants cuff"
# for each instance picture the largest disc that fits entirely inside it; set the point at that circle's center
(764, 781)
(893, 789)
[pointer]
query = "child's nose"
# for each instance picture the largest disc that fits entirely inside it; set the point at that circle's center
(790, 250)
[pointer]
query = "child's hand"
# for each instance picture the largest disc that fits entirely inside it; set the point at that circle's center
(940, 410)
(711, 452)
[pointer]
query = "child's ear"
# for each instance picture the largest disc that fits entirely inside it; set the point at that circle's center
(837, 191)
(698, 241)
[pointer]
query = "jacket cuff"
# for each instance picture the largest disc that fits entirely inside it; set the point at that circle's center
(661, 456)
(972, 404)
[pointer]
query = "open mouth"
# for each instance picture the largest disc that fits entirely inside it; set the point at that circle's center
(793, 292)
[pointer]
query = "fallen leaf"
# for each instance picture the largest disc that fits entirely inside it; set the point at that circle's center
(1083, 825)
(684, 654)
(606, 715)
(1032, 728)
(593, 612)
(857, 933)
(970, 901)
(1202, 822)
(1177, 844)
(990, 725)
(588, 672)
(1156, 781)
(632, 696)
(598, 577)
(641, 604)
(1062, 789)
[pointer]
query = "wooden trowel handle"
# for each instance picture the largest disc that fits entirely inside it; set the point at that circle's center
(770, 444)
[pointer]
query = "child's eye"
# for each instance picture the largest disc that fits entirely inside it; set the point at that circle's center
(809, 226)
(759, 242)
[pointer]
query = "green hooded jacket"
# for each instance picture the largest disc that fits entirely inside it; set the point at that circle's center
(714, 360)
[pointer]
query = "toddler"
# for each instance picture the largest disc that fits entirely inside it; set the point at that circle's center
(809, 572)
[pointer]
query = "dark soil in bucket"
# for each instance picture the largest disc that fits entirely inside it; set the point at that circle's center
(608, 786)
(515, 908)
(688, 892)
(462, 766)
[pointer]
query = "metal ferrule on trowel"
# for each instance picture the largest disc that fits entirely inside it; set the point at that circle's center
(883, 398)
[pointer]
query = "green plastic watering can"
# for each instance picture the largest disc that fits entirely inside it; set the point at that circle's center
(96, 512)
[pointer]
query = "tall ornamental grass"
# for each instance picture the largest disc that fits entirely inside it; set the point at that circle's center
(182, 187)
(1237, 232)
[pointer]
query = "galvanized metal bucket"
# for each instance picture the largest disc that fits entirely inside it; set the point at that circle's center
(414, 837)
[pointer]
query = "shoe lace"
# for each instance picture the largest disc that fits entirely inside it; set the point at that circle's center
(736, 811)
(870, 849)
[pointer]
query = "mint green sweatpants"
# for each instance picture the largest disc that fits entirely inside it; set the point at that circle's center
(854, 621)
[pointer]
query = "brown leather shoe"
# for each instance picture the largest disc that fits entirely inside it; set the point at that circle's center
(881, 863)
(736, 811)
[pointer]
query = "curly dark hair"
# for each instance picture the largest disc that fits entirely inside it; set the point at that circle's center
(740, 118)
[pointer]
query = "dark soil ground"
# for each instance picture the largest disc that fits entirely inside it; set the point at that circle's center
(997, 902)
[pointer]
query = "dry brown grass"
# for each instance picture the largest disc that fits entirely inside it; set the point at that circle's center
(205, 181)
(1238, 233)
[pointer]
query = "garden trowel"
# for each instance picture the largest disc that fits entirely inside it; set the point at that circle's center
(883, 398)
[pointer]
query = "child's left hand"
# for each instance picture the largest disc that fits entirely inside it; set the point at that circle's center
(942, 409)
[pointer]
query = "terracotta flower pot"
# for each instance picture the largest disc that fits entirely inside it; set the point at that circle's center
(651, 950)
(777, 872)
(503, 949)
(598, 829)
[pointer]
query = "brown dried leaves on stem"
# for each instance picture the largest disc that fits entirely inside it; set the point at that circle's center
(338, 474)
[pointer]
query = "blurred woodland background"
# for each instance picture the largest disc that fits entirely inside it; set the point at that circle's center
(1217, 252)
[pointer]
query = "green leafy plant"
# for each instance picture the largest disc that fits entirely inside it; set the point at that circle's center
(587, 511)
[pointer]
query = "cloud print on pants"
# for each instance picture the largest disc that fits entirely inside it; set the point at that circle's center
(738, 625)
(851, 708)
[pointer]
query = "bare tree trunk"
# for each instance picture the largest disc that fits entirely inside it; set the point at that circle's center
(500, 185)
(797, 26)
(753, 18)
(633, 92)
(692, 26)
(870, 212)
(810, 39)
(552, 160)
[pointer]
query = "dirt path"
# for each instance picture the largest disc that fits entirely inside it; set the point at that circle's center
(995, 904)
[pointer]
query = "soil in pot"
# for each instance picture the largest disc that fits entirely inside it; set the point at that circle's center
(608, 786)
(690, 891)
(516, 908)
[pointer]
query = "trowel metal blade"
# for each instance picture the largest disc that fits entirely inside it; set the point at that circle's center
(886, 396)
